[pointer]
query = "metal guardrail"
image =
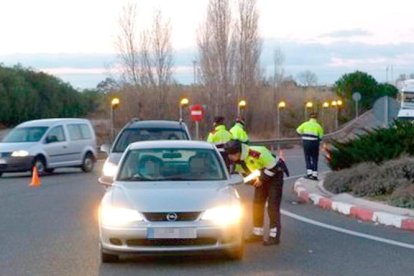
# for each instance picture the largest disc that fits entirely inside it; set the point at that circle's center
(280, 142)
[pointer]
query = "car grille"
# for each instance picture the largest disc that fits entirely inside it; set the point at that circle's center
(171, 242)
(180, 216)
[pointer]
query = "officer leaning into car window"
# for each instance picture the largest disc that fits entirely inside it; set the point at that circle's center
(312, 133)
(219, 136)
(268, 186)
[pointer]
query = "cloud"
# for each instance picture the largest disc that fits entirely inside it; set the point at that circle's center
(346, 33)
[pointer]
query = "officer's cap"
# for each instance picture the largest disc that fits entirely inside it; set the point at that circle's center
(219, 120)
(240, 120)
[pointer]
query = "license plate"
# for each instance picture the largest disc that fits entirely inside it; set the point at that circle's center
(3, 161)
(171, 233)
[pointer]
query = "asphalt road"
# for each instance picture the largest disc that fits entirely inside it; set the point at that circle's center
(52, 230)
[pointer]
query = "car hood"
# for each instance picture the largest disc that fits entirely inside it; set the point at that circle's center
(10, 147)
(174, 196)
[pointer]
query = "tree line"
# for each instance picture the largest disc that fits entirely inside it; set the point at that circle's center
(26, 95)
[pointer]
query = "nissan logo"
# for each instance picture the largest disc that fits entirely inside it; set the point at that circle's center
(171, 216)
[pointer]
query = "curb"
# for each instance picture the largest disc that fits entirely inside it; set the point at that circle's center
(362, 213)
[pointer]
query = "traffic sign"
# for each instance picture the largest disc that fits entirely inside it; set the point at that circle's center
(197, 113)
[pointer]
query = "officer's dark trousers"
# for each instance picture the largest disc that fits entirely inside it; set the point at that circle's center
(272, 192)
(311, 149)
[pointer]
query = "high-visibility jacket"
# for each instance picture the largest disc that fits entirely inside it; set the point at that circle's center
(310, 130)
(219, 137)
(257, 158)
(239, 133)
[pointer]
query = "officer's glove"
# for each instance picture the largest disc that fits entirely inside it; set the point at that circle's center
(282, 166)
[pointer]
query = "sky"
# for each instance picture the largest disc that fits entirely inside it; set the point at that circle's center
(75, 39)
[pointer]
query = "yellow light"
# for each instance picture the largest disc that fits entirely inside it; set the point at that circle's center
(242, 104)
(251, 176)
(282, 104)
(333, 103)
(115, 102)
(339, 102)
(184, 102)
(325, 104)
(309, 104)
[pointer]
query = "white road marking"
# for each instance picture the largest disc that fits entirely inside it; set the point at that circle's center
(346, 231)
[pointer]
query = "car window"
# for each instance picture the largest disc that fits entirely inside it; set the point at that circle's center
(131, 135)
(171, 165)
(56, 134)
(79, 132)
(25, 134)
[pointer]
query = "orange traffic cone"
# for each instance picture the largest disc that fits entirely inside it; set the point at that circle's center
(35, 178)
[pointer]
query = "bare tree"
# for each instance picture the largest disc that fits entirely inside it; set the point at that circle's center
(156, 59)
(279, 71)
(127, 45)
(248, 48)
(216, 51)
(307, 78)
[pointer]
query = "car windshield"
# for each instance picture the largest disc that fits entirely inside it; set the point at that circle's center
(25, 134)
(171, 164)
(131, 135)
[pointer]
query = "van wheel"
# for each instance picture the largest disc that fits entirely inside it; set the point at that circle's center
(50, 170)
(88, 162)
(40, 165)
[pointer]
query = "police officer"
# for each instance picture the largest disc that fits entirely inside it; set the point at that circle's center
(268, 186)
(312, 133)
(238, 131)
(219, 136)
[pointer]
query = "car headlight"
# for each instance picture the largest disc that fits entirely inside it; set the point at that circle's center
(20, 153)
(116, 216)
(225, 215)
(109, 169)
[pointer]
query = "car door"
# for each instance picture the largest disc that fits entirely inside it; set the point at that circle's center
(56, 147)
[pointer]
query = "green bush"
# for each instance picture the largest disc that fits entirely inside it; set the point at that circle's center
(344, 180)
(376, 146)
(403, 196)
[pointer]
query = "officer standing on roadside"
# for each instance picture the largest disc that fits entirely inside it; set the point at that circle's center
(312, 133)
(268, 186)
(238, 131)
(219, 136)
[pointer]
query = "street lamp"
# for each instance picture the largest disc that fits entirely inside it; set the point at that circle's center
(307, 105)
(281, 105)
(325, 105)
(114, 105)
(241, 105)
(183, 103)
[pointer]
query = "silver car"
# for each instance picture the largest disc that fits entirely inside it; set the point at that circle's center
(171, 196)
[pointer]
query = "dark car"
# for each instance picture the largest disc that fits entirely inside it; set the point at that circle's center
(135, 131)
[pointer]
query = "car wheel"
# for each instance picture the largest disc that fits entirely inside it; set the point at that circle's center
(49, 170)
(109, 258)
(88, 162)
(40, 165)
(236, 253)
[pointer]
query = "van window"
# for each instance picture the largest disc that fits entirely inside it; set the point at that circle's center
(56, 134)
(25, 134)
(79, 132)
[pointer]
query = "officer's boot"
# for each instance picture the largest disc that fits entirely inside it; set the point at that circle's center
(256, 235)
(273, 239)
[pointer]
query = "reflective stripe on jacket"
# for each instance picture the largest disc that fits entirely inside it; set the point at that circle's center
(310, 130)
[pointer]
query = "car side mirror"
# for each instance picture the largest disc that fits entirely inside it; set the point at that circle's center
(236, 179)
(106, 181)
(105, 148)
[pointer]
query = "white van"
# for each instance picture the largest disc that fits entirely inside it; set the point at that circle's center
(49, 144)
